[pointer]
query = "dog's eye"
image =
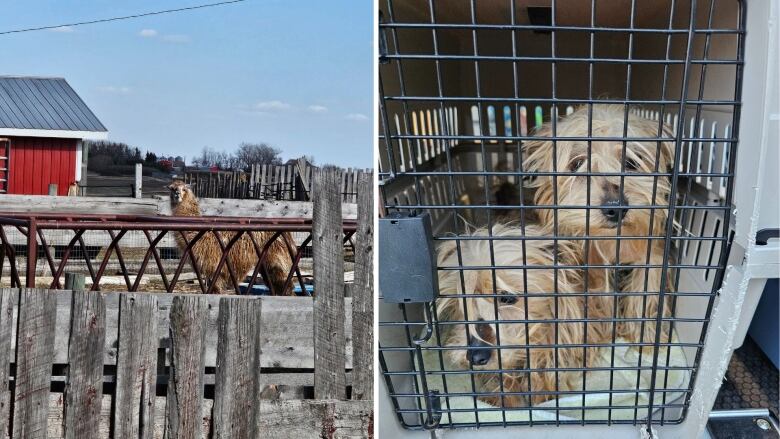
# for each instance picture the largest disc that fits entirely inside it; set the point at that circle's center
(632, 165)
(507, 299)
(576, 164)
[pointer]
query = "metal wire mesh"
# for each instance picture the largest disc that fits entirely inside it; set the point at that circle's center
(499, 119)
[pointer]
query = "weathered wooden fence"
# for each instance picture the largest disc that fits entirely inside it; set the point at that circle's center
(76, 364)
(269, 182)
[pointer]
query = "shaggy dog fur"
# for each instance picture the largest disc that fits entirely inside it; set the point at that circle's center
(639, 191)
(242, 256)
(518, 294)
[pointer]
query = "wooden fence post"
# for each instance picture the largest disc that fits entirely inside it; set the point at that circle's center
(363, 293)
(263, 178)
(185, 382)
(84, 389)
(139, 179)
(34, 356)
(250, 184)
(329, 314)
(303, 169)
(236, 380)
(7, 299)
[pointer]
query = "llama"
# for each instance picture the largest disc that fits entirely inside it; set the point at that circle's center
(242, 256)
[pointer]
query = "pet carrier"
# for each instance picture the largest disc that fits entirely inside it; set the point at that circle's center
(596, 235)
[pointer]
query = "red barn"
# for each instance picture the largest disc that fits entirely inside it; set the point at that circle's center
(42, 125)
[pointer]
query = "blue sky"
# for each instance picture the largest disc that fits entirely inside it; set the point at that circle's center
(295, 74)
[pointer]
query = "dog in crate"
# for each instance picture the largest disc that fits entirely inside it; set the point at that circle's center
(243, 256)
(624, 190)
(479, 312)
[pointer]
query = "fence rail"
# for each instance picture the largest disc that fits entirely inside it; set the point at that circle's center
(78, 364)
(194, 231)
(269, 182)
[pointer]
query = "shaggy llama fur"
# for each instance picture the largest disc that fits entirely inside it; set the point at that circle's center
(242, 256)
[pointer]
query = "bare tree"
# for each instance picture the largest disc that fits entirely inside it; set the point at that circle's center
(250, 154)
(211, 157)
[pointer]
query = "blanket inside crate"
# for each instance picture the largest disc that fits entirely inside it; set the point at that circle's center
(597, 382)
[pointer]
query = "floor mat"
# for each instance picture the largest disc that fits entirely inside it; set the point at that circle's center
(751, 381)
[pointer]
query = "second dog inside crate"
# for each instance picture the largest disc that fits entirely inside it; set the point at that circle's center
(467, 85)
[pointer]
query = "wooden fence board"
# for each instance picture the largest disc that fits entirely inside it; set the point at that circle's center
(160, 205)
(275, 181)
(286, 328)
(266, 378)
(363, 293)
(315, 419)
(84, 389)
(185, 383)
(156, 409)
(355, 179)
(276, 419)
(310, 173)
(8, 298)
(238, 350)
(264, 179)
(56, 423)
(137, 368)
(344, 186)
(106, 205)
(257, 208)
(303, 172)
(35, 341)
(329, 336)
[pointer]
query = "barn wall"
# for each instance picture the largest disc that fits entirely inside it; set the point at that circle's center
(35, 162)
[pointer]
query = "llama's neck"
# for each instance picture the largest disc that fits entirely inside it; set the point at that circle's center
(187, 208)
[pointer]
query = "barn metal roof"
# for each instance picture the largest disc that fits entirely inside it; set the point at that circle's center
(33, 103)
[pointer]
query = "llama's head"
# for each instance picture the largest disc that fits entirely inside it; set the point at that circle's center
(180, 192)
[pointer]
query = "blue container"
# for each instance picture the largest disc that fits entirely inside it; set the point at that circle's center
(262, 290)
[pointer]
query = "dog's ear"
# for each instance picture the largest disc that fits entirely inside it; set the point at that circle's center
(667, 148)
(169, 187)
(537, 153)
(445, 251)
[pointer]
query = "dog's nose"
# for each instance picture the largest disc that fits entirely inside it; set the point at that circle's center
(477, 354)
(613, 211)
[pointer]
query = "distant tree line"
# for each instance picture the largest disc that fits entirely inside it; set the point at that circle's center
(112, 158)
(247, 155)
(116, 158)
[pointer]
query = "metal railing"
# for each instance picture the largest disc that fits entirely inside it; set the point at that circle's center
(189, 230)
